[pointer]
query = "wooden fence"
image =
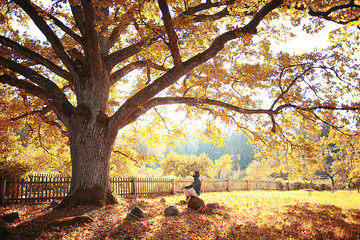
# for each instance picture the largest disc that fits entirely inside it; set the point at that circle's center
(34, 188)
(51, 187)
(141, 187)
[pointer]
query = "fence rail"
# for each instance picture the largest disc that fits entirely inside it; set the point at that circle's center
(51, 187)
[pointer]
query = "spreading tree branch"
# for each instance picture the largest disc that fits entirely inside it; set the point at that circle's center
(124, 21)
(62, 108)
(169, 27)
(203, 17)
(288, 88)
(206, 6)
(36, 57)
(78, 16)
(41, 144)
(125, 155)
(116, 76)
(327, 14)
(162, 119)
(92, 36)
(125, 53)
(63, 27)
(42, 114)
(200, 103)
(31, 10)
(172, 75)
(53, 90)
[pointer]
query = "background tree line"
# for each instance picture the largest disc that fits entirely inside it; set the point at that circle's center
(228, 158)
(325, 153)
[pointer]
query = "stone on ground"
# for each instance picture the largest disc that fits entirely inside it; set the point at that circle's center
(212, 205)
(196, 203)
(172, 211)
(135, 214)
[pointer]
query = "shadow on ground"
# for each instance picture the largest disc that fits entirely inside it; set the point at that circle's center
(34, 227)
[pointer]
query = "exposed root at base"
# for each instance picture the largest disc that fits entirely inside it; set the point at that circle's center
(92, 196)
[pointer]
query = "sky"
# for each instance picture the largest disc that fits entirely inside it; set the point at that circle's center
(305, 42)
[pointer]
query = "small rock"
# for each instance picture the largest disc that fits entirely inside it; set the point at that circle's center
(137, 212)
(130, 216)
(69, 221)
(163, 200)
(172, 211)
(213, 205)
(196, 203)
(10, 217)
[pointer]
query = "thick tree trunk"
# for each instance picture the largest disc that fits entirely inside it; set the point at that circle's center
(90, 145)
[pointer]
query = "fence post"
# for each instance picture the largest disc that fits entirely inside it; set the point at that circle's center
(173, 186)
(228, 185)
(264, 185)
(2, 192)
(133, 190)
(247, 185)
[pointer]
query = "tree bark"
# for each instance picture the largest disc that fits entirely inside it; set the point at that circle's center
(90, 145)
(332, 183)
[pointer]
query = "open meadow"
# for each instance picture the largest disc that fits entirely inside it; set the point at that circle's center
(242, 215)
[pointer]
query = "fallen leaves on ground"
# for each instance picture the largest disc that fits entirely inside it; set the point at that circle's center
(242, 215)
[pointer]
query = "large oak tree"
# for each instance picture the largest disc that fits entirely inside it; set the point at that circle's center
(201, 55)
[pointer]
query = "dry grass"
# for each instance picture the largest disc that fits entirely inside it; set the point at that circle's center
(243, 215)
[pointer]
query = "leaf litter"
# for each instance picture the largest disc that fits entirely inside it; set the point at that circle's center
(242, 215)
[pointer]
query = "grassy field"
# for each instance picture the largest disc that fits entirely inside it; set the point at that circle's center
(243, 215)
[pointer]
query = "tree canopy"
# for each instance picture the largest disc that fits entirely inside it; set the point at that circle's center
(99, 67)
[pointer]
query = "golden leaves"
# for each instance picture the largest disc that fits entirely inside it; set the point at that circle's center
(211, 134)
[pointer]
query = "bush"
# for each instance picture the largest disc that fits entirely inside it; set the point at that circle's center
(12, 169)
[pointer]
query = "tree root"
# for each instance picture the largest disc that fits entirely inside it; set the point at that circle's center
(92, 196)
